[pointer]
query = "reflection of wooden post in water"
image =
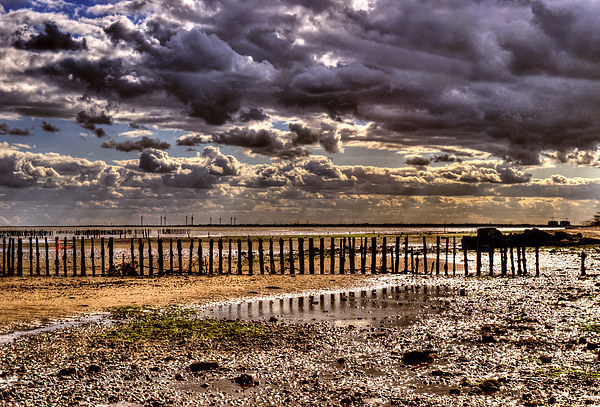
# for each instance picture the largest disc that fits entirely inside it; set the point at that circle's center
(281, 257)
(211, 247)
(465, 259)
(20, 258)
(292, 271)
(74, 256)
(161, 260)
(537, 261)
(412, 261)
(47, 256)
(220, 249)
(250, 258)
(373, 255)
(271, 257)
(102, 262)
(239, 253)
(322, 255)
(524, 260)
(261, 259)
(191, 261)
(150, 258)
(583, 256)
(311, 255)
(342, 254)
(37, 256)
(417, 263)
(301, 254)
(83, 268)
(332, 257)
(140, 254)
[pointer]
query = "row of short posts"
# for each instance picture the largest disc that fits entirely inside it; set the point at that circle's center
(343, 253)
(142, 261)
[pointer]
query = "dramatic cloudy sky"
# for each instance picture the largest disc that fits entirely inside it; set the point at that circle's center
(299, 110)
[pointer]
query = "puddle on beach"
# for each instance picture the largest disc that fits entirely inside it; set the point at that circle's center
(402, 305)
(12, 336)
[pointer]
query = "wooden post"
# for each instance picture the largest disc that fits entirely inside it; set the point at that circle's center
(478, 259)
(64, 256)
(4, 271)
(201, 257)
(74, 256)
(447, 250)
(281, 257)
(321, 255)
(373, 255)
(179, 256)
(512, 259)
(229, 258)
(292, 270)
(8, 257)
(406, 254)
(465, 259)
(583, 256)
(271, 257)
(342, 255)
(103, 263)
(454, 256)
(301, 254)
(191, 260)
(171, 256)
(250, 258)
(30, 256)
(332, 257)
(47, 256)
(519, 271)
(397, 259)
(211, 248)
(437, 256)
(140, 254)
(161, 256)
(384, 255)
(352, 254)
(425, 254)
(363, 255)
(524, 260)
(261, 259)
(150, 259)
(220, 249)
(239, 263)
(412, 261)
(311, 256)
(491, 254)
(83, 268)
(110, 254)
(537, 260)
(37, 256)
(20, 258)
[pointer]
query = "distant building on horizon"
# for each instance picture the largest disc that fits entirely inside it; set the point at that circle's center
(562, 223)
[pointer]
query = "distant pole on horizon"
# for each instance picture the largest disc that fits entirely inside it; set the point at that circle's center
(192, 220)
(219, 221)
(210, 221)
(141, 221)
(186, 218)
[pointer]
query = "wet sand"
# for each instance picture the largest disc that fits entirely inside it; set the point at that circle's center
(27, 302)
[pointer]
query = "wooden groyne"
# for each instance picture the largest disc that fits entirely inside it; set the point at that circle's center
(156, 256)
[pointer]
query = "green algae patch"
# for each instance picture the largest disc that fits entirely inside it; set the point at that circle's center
(152, 325)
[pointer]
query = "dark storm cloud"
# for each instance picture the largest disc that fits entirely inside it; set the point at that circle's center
(418, 161)
(13, 131)
(512, 78)
(90, 120)
(140, 145)
(52, 39)
(49, 127)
